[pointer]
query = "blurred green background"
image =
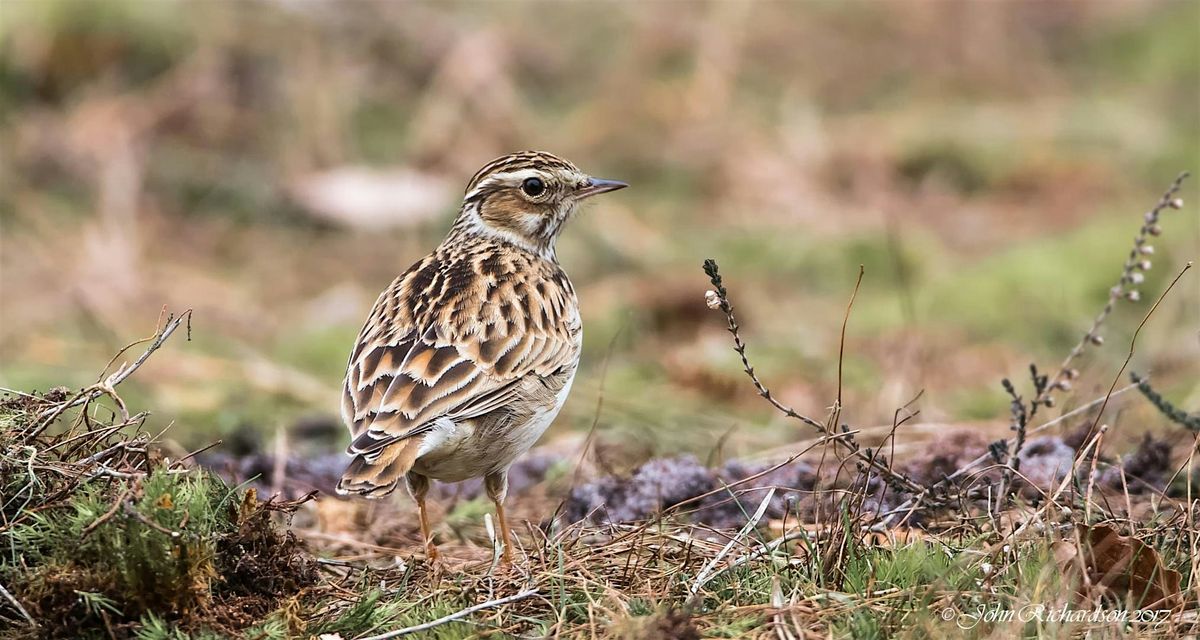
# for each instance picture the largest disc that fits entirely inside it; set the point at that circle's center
(273, 165)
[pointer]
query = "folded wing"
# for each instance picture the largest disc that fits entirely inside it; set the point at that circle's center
(439, 347)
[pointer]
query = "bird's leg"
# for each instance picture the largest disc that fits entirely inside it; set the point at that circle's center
(418, 486)
(497, 489)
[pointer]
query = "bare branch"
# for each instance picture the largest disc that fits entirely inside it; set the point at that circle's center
(719, 299)
(109, 384)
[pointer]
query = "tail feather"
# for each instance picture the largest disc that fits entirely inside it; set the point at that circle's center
(376, 474)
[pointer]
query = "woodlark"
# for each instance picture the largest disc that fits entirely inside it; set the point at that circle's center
(469, 354)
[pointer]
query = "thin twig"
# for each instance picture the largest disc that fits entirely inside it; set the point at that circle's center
(104, 454)
(1087, 500)
(1130, 276)
(106, 515)
(1133, 343)
(106, 387)
(587, 442)
(721, 301)
(914, 503)
(157, 327)
(528, 593)
(197, 452)
(726, 307)
(132, 511)
(837, 412)
(751, 478)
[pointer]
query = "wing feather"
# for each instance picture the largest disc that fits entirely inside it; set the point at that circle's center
(440, 345)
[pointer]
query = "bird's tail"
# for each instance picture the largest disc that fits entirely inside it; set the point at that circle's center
(376, 474)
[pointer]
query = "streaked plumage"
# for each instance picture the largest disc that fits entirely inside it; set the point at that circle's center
(467, 356)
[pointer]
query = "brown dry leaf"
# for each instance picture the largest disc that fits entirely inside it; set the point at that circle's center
(1064, 553)
(1120, 566)
(164, 502)
(248, 506)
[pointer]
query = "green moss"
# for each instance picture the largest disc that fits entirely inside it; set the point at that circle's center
(110, 547)
(142, 555)
(905, 567)
(370, 612)
(862, 624)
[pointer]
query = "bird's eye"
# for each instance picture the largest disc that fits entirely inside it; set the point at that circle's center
(533, 187)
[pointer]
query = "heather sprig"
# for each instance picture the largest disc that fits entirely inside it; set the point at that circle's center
(1191, 422)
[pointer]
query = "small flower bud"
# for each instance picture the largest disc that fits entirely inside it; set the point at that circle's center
(1146, 250)
(1072, 373)
(1177, 203)
(1154, 230)
(1062, 385)
(1133, 296)
(1095, 339)
(1145, 265)
(985, 568)
(712, 299)
(1049, 402)
(1151, 217)
(1136, 277)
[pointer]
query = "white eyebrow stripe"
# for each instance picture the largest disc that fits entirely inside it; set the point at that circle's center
(513, 178)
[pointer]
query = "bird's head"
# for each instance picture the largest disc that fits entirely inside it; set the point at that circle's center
(527, 197)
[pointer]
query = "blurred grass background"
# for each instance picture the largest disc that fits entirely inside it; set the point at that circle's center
(273, 165)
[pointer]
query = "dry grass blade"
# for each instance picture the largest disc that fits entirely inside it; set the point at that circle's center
(17, 604)
(706, 573)
(528, 593)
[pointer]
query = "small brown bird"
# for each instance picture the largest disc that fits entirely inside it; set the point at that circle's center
(468, 356)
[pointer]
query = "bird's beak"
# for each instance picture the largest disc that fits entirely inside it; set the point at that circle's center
(597, 186)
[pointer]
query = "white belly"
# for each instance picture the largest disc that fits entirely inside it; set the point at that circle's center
(452, 453)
